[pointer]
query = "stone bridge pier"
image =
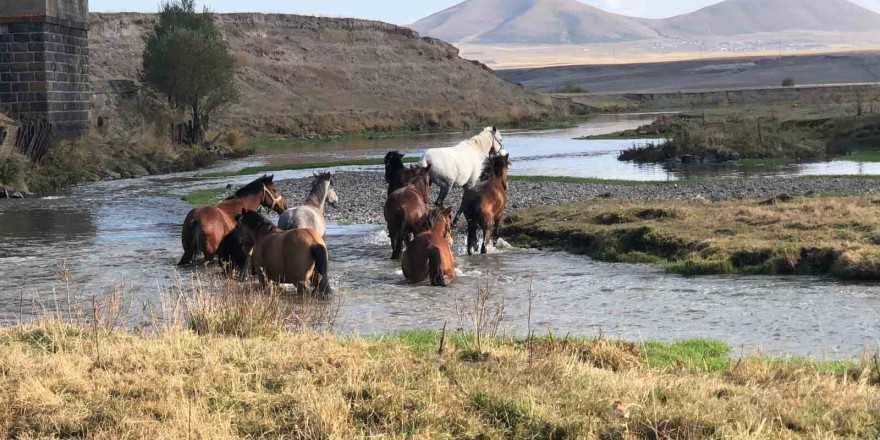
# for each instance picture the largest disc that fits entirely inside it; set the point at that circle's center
(44, 63)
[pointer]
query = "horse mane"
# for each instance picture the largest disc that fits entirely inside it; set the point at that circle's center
(254, 220)
(255, 187)
(433, 217)
(493, 166)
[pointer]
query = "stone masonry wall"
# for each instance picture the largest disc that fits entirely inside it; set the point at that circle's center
(44, 71)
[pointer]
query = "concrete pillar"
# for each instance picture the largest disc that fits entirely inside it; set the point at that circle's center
(44, 63)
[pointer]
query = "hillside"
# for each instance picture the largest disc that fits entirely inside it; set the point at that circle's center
(306, 75)
(531, 21)
(572, 22)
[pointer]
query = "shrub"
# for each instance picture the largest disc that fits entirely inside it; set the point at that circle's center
(571, 88)
(233, 139)
(13, 167)
(788, 82)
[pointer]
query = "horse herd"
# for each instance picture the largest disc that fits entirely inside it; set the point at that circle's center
(294, 252)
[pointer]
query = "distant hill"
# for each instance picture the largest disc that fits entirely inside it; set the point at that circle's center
(573, 22)
(741, 17)
(533, 22)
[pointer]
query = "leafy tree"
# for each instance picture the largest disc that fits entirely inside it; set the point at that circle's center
(187, 60)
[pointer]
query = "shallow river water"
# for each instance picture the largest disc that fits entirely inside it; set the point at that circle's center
(128, 232)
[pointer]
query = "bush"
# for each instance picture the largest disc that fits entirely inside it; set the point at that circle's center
(13, 167)
(572, 88)
(788, 82)
(233, 139)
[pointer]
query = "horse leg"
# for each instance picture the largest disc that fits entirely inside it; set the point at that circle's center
(471, 237)
(444, 192)
(487, 236)
(497, 231)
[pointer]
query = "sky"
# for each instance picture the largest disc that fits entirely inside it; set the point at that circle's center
(406, 11)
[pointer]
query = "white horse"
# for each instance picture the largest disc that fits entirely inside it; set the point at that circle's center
(460, 166)
(311, 215)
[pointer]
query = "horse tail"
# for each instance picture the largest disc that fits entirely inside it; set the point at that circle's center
(322, 266)
(196, 241)
(435, 267)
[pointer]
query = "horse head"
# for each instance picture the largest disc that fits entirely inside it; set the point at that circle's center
(324, 190)
(421, 179)
(272, 198)
(393, 165)
(497, 140)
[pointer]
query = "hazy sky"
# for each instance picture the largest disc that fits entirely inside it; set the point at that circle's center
(407, 11)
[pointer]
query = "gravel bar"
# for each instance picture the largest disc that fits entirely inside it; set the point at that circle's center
(362, 194)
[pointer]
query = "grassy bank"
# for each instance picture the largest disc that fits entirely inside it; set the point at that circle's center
(71, 381)
(96, 157)
(775, 137)
(823, 235)
(306, 166)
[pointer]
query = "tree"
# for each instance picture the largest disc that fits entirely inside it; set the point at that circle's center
(788, 82)
(187, 60)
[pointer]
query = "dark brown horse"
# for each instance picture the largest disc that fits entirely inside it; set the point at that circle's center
(483, 205)
(296, 257)
(430, 253)
(205, 228)
(406, 208)
(397, 175)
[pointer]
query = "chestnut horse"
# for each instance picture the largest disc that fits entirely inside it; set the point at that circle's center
(205, 228)
(406, 208)
(397, 175)
(296, 257)
(430, 253)
(483, 205)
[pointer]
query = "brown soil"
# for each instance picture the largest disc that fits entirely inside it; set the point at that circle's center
(301, 76)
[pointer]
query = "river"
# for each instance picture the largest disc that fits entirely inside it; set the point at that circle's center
(128, 232)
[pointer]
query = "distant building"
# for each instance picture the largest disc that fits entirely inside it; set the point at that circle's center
(44, 63)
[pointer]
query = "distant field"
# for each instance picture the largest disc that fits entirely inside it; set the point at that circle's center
(710, 74)
(516, 56)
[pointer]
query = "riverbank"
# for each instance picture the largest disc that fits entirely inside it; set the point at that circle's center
(94, 157)
(362, 194)
(91, 381)
(814, 235)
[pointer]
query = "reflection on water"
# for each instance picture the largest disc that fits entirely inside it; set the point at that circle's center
(128, 231)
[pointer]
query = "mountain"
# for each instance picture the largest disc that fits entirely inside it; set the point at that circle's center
(741, 17)
(300, 76)
(532, 22)
(573, 22)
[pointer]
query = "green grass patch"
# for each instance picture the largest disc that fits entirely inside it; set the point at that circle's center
(305, 166)
(202, 197)
(862, 156)
(692, 354)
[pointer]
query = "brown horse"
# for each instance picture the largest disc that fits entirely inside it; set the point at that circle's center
(430, 253)
(483, 205)
(205, 228)
(397, 175)
(296, 257)
(406, 208)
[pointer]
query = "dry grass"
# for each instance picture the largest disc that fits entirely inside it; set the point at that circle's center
(227, 360)
(57, 381)
(813, 235)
